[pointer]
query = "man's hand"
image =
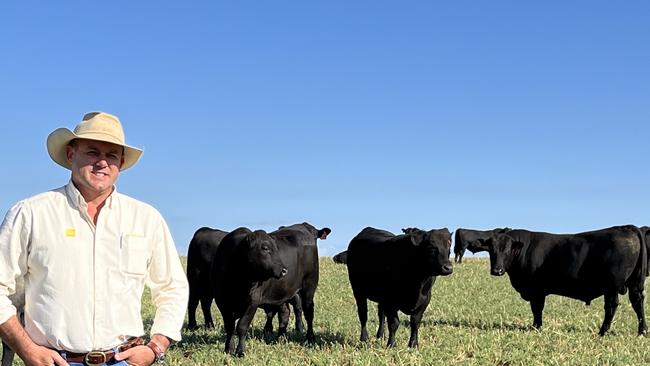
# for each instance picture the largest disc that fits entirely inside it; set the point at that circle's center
(42, 356)
(13, 333)
(137, 356)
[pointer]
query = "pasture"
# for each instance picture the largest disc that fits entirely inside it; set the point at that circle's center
(473, 319)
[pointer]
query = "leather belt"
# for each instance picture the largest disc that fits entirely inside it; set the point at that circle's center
(100, 357)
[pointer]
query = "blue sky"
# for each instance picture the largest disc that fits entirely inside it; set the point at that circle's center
(346, 114)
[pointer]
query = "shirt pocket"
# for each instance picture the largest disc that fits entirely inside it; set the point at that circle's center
(135, 253)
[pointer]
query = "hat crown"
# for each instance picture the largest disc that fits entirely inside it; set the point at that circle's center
(101, 123)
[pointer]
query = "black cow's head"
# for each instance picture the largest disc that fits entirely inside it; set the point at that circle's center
(409, 230)
(433, 247)
(502, 249)
(263, 257)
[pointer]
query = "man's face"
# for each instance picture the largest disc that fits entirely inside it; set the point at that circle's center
(95, 166)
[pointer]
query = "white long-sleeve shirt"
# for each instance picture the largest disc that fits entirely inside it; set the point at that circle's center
(83, 283)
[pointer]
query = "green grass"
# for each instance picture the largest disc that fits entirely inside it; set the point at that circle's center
(473, 319)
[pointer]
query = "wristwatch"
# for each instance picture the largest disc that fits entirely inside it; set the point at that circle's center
(160, 354)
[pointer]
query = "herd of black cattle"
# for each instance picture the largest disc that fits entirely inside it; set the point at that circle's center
(244, 270)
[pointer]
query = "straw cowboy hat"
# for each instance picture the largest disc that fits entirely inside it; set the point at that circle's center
(98, 126)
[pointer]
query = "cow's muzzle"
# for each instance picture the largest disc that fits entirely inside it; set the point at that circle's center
(497, 271)
(279, 272)
(446, 270)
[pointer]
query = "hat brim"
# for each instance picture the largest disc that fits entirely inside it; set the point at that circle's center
(61, 137)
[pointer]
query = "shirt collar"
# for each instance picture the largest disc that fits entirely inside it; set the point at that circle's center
(75, 196)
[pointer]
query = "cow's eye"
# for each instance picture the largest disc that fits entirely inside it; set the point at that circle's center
(266, 249)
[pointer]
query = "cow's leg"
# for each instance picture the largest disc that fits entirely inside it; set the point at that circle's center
(308, 308)
(416, 319)
(192, 304)
(636, 299)
(268, 326)
(382, 320)
(537, 306)
(393, 323)
(297, 311)
(611, 303)
(206, 302)
(229, 327)
(242, 330)
(362, 311)
(283, 319)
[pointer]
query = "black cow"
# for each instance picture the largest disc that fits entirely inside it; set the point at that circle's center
(296, 301)
(474, 240)
(397, 272)
(581, 266)
(200, 254)
(341, 258)
(256, 269)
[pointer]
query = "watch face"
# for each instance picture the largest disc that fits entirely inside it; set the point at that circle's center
(161, 358)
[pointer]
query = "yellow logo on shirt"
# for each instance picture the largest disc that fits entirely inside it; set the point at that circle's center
(70, 232)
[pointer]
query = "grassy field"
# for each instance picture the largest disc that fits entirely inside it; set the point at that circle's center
(473, 319)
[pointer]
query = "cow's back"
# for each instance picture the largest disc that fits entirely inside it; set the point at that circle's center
(372, 263)
(202, 249)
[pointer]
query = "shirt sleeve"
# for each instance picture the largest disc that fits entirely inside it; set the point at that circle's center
(168, 284)
(14, 240)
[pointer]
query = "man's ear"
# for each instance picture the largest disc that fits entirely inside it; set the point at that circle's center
(69, 150)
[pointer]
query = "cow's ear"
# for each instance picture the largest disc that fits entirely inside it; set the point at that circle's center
(417, 237)
(323, 233)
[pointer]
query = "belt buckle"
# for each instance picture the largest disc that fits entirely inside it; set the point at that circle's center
(95, 355)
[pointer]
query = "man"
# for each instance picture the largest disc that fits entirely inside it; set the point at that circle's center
(79, 257)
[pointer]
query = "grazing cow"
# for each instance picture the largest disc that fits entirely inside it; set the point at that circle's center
(397, 272)
(256, 269)
(474, 240)
(581, 266)
(200, 254)
(341, 258)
